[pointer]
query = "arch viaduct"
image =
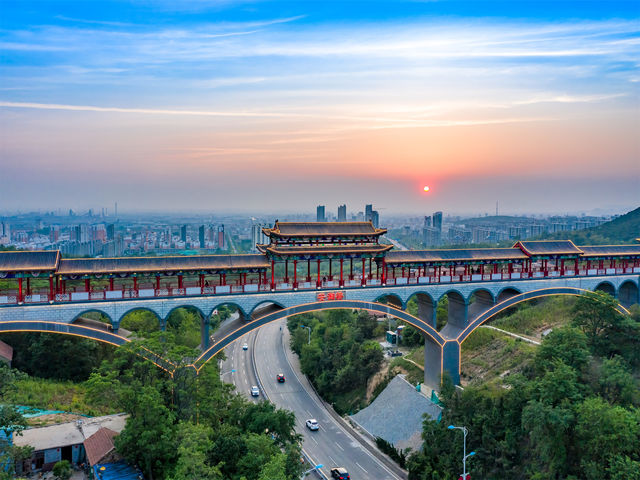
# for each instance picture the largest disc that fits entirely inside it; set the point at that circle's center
(470, 305)
(308, 267)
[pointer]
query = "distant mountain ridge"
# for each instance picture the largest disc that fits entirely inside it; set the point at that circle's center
(624, 229)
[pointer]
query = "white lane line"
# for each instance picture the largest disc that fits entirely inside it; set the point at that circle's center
(361, 467)
(332, 460)
(338, 445)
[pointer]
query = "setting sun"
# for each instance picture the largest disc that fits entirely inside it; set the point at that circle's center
(426, 189)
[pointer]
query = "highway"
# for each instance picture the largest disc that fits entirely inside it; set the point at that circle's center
(332, 445)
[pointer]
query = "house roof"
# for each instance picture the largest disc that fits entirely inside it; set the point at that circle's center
(323, 229)
(6, 351)
(610, 250)
(98, 445)
(456, 255)
(32, 261)
(548, 247)
(70, 433)
(160, 264)
(325, 250)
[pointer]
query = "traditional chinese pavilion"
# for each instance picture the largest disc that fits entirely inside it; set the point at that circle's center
(325, 244)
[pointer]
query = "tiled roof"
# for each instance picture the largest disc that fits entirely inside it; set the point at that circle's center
(322, 229)
(610, 250)
(548, 247)
(160, 264)
(326, 249)
(471, 254)
(98, 445)
(46, 260)
(6, 351)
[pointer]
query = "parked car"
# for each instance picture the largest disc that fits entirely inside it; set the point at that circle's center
(255, 391)
(245, 346)
(312, 424)
(280, 377)
(340, 473)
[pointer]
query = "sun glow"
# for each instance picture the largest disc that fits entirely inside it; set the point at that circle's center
(426, 189)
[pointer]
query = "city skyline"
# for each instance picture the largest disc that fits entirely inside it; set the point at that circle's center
(258, 106)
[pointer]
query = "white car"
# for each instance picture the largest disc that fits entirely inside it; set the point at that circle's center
(312, 424)
(245, 346)
(255, 391)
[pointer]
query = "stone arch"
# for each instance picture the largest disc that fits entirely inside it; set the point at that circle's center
(507, 293)
(243, 314)
(457, 313)
(203, 326)
(159, 318)
(82, 331)
(256, 307)
(628, 293)
(606, 287)
(92, 310)
(392, 299)
(427, 306)
(202, 315)
(510, 302)
(242, 330)
(479, 301)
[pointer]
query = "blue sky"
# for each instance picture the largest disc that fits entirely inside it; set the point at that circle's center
(533, 104)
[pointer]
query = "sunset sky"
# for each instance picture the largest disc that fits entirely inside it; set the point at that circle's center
(260, 106)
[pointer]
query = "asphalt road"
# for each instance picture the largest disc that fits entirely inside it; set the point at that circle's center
(330, 446)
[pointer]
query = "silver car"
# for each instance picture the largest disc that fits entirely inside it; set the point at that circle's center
(255, 391)
(312, 424)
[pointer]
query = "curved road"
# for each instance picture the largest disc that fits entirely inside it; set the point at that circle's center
(332, 445)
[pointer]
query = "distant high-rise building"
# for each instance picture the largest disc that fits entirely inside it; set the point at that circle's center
(111, 231)
(81, 233)
(257, 236)
(201, 236)
(427, 221)
(375, 218)
(5, 231)
(183, 233)
(342, 213)
(437, 220)
(221, 237)
(368, 213)
(320, 216)
(431, 237)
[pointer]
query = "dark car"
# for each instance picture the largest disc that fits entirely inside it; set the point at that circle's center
(340, 473)
(280, 377)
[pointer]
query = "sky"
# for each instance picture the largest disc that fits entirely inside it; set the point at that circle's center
(263, 106)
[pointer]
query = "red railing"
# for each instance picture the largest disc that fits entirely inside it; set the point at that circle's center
(412, 277)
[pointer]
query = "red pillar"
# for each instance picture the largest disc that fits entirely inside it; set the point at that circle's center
(384, 271)
(273, 275)
(308, 270)
(157, 282)
(495, 268)
(87, 285)
(51, 288)
(576, 267)
(562, 267)
(201, 281)
(318, 281)
(363, 280)
(295, 274)
(179, 280)
(111, 284)
(135, 284)
(20, 290)
(341, 279)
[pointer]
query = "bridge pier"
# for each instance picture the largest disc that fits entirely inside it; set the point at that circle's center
(204, 334)
(426, 309)
(458, 310)
(441, 359)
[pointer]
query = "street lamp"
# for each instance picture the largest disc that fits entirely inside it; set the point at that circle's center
(464, 451)
(230, 371)
(317, 467)
(308, 328)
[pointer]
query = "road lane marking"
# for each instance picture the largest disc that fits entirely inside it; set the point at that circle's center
(361, 467)
(338, 445)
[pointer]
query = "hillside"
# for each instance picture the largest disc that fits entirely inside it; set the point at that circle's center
(624, 229)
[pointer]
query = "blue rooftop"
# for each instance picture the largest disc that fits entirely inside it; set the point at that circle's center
(116, 471)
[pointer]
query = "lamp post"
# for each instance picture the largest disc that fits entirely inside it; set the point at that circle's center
(464, 449)
(317, 467)
(308, 328)
(230, 371)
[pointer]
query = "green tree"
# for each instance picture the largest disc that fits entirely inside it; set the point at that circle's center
(275, 469)
(566, 344)
(194, 443)
(148, 438)
(616, 383)
(62, 470)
